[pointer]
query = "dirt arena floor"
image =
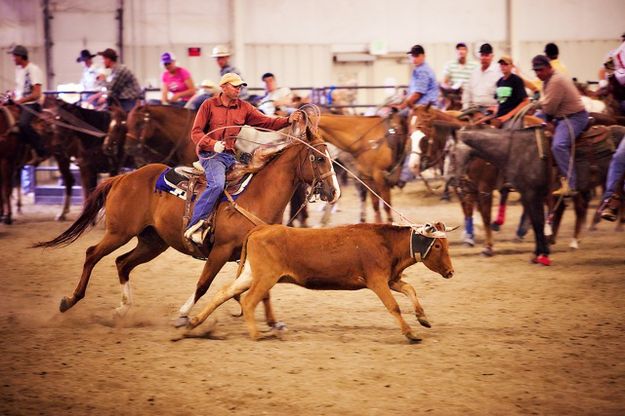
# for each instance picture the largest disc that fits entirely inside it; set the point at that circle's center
(508, 337)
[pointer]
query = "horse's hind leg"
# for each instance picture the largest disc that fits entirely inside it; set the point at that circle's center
(150, 245)
(109, 243)
(68, 180)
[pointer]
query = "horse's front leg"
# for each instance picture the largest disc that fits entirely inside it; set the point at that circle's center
(581, 210)
(362, 193)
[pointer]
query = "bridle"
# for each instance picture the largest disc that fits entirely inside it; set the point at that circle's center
(143, 138)
(116, 133)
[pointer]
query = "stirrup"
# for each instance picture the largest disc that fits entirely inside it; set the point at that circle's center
(564, 190)
(198, 166)
(194, 233)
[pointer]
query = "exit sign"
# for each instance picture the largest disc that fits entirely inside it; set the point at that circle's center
(194, 51)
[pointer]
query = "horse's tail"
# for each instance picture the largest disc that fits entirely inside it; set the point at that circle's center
(87, 219)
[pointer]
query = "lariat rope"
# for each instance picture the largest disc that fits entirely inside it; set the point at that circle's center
(294, 138)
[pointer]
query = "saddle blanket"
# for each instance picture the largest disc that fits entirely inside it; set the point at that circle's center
(175, 182)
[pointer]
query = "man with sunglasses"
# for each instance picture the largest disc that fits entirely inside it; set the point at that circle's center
(216, 125)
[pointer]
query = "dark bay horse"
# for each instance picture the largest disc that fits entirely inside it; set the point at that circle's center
(134, 209)
(82, 134)
(160, 134)
(14, 154)
(524, 158)
(378, 145)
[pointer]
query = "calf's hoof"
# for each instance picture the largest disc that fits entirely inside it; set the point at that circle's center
(424, 322)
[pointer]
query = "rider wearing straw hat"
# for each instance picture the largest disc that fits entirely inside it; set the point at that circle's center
(214, 132)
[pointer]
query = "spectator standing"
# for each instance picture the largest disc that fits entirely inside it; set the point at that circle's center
(456, 73)
(222, 55)
(123, 86)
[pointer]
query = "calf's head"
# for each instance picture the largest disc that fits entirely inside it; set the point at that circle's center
(429, 243)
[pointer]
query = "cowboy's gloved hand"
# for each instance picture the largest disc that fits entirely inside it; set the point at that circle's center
(295, 117)
(219, 147)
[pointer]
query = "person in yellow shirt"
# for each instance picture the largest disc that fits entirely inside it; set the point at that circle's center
(552, 51)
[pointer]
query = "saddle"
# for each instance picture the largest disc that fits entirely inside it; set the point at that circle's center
(187, 183)
(398, 143)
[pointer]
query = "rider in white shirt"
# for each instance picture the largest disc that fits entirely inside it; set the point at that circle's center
(89, 79)
(28, 89)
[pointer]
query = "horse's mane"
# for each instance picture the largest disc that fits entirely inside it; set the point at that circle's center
(263, 155)
(430, 114)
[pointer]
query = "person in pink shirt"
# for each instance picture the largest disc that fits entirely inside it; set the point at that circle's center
(178, 86)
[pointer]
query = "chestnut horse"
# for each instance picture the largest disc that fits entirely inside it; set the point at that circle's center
(477, 182)
(377, 145)
(134, 209)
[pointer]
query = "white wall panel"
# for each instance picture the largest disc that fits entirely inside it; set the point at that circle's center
(296, 40)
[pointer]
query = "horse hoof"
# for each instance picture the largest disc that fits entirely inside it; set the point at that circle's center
(424, 322)
(121, 311)
(574, 244)
(61, 217)
(495, 226)
(412, 338)
(65, 304)
(181, 321)
(488, 252)
(279, 326)
(7, 220)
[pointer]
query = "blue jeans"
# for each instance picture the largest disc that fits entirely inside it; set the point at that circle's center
(215, 166)
(616, 170)
(561, 145)
(196, 101)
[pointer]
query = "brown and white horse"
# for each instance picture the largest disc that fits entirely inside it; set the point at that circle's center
(378, 145)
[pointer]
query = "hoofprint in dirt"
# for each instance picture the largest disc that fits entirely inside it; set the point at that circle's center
(508, 337)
